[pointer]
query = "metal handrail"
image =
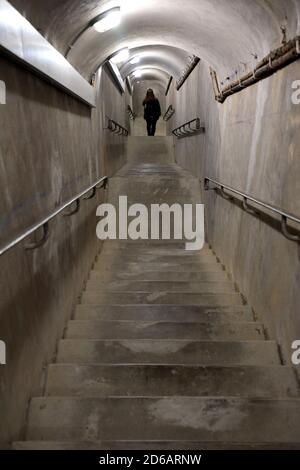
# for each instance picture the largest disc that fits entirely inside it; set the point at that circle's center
(285, 216)
(44, 223)
(169, 113)
(116, 128)
(186, 129)
(131, 113)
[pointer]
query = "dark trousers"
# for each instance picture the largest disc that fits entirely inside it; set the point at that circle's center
(151, 126)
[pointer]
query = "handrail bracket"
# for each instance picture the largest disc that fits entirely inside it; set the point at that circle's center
(37, 244)
(75, 210)
(286, 232)
(247, 208)
(92, 195)
(285, 216)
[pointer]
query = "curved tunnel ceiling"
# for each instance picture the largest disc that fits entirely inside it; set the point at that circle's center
(230, 35)
(153, 75)
(170, 59)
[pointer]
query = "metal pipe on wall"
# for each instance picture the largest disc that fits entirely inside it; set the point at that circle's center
(194, 61)
(276, 60)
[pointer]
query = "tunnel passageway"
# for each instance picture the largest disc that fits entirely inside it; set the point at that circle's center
(162, 347)
(145, 343)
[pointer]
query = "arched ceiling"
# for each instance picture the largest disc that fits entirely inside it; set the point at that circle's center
(226, 34)
(152, 74)
(170, 59)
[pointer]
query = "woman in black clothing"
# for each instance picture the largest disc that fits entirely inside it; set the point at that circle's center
(152, 111)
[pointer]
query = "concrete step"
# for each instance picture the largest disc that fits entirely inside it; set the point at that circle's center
(142, 173)
(149, 169)
(141, 268)
(169, 298)
(149, 244)
(170, 313)
(156, 252)
(153, 445)
(162, 194)
(165, 244)
(179, 418)
(147, 149)
(95, 329)
(165, 380)
(135, 197)
(200, 259)
(110, 248)
(85, 351)
(129, 179)
(166, 247)
(94, 287)
(157, 168)
(193, 267)
(169, 276)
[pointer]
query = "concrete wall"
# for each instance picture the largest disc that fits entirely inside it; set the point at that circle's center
(51, 148)
(252, 143)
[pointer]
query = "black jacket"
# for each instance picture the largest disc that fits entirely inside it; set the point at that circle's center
(152, 109)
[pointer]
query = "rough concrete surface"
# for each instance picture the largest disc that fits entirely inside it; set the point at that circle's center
(251, 143)
(51, 148)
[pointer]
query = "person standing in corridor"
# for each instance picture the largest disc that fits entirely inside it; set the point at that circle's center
(152, 111)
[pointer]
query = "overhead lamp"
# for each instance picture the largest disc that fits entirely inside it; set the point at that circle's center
(107, 20)
(135, 60)
(104, 22)
(137, 73)
(121, 56)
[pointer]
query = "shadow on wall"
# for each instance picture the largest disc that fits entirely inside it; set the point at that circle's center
(139, 92)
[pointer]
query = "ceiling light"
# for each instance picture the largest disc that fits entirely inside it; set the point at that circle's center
(121, 56)
(135, 60)
(137, 73)
(108, 20)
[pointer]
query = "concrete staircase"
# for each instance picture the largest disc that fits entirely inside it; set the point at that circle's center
(163, 352)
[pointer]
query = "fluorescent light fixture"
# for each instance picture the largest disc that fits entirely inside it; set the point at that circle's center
(135, 60)
(121, 56)
(137, 73)
(108, 20)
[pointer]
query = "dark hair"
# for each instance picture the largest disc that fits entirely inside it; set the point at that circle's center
(150, 96)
